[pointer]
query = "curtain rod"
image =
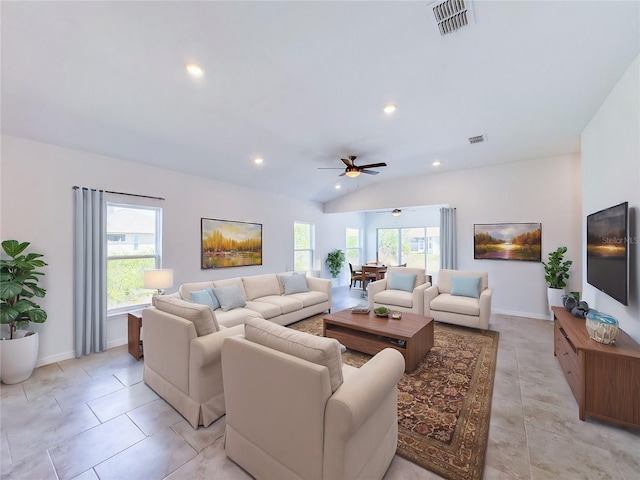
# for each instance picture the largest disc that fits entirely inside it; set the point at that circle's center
(75, 187)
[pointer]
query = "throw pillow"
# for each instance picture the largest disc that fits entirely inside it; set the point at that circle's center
(205, 297)
(295, 283)
(230, 297)
(404, 282)
(465, 286)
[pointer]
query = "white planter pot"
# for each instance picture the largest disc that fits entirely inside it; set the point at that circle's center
(18, 357)
(554, 297)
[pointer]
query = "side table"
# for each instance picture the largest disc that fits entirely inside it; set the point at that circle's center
(135, 325)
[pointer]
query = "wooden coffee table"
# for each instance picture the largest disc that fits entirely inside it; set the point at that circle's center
(412, 335)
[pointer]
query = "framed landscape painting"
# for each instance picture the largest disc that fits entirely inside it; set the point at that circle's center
(225, 243)
(508, 241)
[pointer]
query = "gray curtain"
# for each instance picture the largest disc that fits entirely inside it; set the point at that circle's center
(448, 239)
(90, 268)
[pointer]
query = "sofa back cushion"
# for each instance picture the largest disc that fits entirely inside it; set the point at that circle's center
(445, 275)
(201, 315)
(257, 286)
(318, 350)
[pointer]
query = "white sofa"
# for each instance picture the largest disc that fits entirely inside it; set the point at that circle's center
(405, 299)
(315, 419)
(453, 300)
(265, 298)
(183, 340)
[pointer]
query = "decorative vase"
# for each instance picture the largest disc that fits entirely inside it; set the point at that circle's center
(18, 357)
(602, 328)
(554, 297)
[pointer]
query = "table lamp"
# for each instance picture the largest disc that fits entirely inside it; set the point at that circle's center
(158, 279)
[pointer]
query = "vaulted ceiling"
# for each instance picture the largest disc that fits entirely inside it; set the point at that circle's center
(302, 84)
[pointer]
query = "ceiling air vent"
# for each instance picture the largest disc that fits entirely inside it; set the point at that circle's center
(477, 139)
(452, 15)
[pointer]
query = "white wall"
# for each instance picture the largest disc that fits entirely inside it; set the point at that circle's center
(37, 206)
(545, 190)
(611, 175)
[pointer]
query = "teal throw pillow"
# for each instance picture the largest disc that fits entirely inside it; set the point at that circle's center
(465, 286)
(402, 281)
(230, 297)
(295, 283)
(205, 297)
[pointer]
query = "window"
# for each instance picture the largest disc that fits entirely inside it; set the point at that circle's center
(133, 245)
(354, 249)
(303, 245)
(418, 247)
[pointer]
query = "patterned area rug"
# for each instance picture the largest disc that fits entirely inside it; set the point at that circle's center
(444, 404)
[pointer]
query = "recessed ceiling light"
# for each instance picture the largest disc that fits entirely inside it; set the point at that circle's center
(390, 108)
(436, 163)
(338, 186)
(258, 160)
(195, 70)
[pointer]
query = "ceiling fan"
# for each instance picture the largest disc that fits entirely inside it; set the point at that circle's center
(354, 170)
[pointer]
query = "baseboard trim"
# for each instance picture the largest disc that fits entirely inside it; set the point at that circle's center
(515, 313)
(68, 355)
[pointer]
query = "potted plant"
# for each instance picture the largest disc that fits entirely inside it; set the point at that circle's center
(19, 278)
(335, 262)
(556, 271)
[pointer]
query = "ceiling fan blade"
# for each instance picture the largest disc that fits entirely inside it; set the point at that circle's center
(349, 162)
(342, 174)
(330, 168)
(370, 172)
(373, 165)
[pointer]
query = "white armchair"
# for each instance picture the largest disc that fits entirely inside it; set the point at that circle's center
(402, 289)
(461, 298)
(294, 411)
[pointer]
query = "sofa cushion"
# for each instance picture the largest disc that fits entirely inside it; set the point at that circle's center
(202, 316)
(266, 310)
(205, 297)
(318, 350)
(234, 317)
(465, 286)
(446, 302)
(229, 297)
(286, 304)
(260, 286)
(398, 298)
(404, 282)
(294, 284)
(312, 297)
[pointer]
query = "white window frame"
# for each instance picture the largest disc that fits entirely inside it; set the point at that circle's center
(157, 256)
(358, 248)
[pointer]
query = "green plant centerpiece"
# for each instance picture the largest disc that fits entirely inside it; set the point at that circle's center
(335, 262)
(19, 277)
(556, 270)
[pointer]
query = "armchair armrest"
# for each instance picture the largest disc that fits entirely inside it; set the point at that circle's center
(361, 393)
(417, 297)
(207, 349)
(375, 287)
(485, 307)
(429, 294)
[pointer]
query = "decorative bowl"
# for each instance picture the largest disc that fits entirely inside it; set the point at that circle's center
(602, 328)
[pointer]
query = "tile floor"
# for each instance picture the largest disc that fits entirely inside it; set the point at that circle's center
(94, 418)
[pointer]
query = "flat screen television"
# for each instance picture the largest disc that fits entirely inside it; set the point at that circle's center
(608, 251)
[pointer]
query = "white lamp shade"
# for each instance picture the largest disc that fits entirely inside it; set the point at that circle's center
(158, 278)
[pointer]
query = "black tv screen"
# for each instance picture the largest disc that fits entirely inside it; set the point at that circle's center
(608, 251)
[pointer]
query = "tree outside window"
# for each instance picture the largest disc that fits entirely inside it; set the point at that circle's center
(354, 248)
(303, 245)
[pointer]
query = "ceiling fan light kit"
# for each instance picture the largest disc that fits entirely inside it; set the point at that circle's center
(396, 212)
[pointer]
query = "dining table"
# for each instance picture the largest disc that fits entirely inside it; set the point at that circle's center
(372, 273)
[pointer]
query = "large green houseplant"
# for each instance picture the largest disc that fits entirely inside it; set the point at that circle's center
(19, 277)
(556, 272)
(335, 262)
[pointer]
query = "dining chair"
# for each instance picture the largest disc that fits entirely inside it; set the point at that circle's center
(369, 274)
(356, 275)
